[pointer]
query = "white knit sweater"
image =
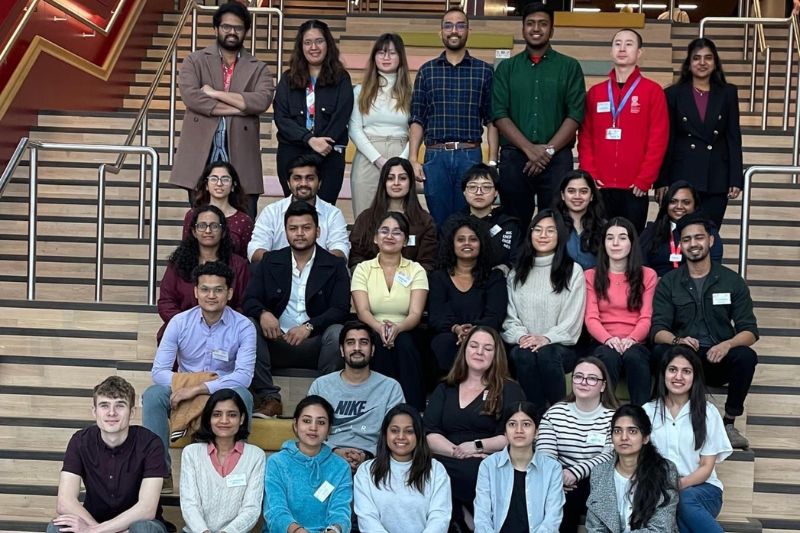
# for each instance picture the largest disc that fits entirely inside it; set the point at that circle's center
(208, 503)
(383, 120)
(535, 309)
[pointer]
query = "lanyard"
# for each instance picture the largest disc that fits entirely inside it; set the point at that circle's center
(615, 111)
(674, 249)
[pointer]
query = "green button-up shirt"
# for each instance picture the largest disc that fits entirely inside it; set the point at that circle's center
(538, 97)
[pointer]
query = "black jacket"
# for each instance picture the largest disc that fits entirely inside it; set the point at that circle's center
(327, 290)
(707, 154)
(503, 231)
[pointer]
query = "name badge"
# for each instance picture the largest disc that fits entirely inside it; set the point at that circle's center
(324, 491)
(613, 134)
(403, 279)
(596, 438)
(604, 107)
(236, 480)
(220, 355)
(412, 240)
(721, 298)
(675, 258)
(495, 230)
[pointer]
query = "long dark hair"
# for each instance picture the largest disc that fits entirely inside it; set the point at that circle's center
(187, 255)
(236, 197)
(650, 480)
(561, 269)
(662, 230)
(595, 216)
(697, 396)
(495, 377)
(205, 433)
(380, 203)
(526, 408)
(717, 77)
(633, 269)
(447, 251)
(421, 458)
(332, 68)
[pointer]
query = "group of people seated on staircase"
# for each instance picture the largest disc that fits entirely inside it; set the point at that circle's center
(507, 304)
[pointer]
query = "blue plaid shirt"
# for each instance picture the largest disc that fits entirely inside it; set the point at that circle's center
(452, 102)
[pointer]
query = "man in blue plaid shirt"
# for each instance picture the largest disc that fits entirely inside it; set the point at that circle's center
(449, 109)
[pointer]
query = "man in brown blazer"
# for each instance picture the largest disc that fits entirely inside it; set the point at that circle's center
(225, 89)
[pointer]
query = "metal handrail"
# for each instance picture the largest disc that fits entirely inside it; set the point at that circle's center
(11, 167)
(35, 146)
(744, 228)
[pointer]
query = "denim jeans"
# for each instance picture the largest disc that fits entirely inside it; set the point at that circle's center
(155, 412)
(443, 171)
(698, 508)
(141, 526)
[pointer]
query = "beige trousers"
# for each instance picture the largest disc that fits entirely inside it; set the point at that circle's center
(364, 176)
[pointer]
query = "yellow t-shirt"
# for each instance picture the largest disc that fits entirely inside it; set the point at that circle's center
(385, 304)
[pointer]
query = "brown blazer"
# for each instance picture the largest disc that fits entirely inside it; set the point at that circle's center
(253, 80)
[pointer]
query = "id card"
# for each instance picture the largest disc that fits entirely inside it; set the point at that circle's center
(323, 491)
(596, 438)
(675, 258)
(412, 240)
(613, 134)
(403, 279)
(604, 107)
(721, 298)
(495, 230)
(236, 480)
(220, 355)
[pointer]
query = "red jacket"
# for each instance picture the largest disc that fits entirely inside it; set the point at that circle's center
(636, 158)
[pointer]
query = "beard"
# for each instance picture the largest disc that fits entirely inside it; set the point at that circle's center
(357, 365)
(231, 47)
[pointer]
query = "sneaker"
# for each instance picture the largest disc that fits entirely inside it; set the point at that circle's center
(268, 408)
(737, 439)
(166, 487)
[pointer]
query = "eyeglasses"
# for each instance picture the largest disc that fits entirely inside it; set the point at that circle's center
(228, 28)
(385, 232)
(544, 231)
(486, 187)
(308, 43)
(458, 26)
(225, 180)
(218, 291)
(632, 431)
(590, 380)
(202, 227)
(386, 53)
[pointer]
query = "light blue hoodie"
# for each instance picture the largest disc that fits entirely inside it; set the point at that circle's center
(291, 481)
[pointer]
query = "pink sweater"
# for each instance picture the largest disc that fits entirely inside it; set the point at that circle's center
(610, 317)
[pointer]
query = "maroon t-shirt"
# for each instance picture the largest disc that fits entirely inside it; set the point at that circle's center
(113, 476)
(701, 101)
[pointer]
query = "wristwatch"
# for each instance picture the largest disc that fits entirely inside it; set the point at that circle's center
(492, 163)
(309, 326)
(550, 151)
(479, 445)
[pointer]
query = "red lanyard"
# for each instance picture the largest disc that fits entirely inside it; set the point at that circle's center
(674, 249)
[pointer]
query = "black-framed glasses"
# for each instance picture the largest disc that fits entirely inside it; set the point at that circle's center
(458, 26)
(590, 380)
(204, 226)
(225, 180)
(228, 28)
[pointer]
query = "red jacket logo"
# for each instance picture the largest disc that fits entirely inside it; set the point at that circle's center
(635, 107)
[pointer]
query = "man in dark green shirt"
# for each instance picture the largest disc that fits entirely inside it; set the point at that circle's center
(537, 105)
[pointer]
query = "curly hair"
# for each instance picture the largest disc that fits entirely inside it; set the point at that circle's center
(332, 68)
(236, 197)
(447, 250)
(187, 255)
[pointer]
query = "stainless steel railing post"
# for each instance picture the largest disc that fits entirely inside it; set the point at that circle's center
(33, 169)
(253, 34)
(787, 87)
(746, 31)
(744, 227)
(796, 143)
(153, 247)
(142, 178)
(173, 78)
(765, 94)
(753, 73)
(194, 29)
(101, 230)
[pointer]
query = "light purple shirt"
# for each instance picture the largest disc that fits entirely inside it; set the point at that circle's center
(227, 348)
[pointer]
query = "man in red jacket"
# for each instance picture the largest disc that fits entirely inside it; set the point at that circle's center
(624, 135)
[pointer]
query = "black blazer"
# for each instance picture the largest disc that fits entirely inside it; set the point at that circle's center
(707, 154)
(327, 290)
(333, 104)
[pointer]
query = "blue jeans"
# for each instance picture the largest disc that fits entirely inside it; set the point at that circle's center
(443, 171)
(155, 412)
(698, 508)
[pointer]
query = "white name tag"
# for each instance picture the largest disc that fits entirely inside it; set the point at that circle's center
(613, 134)
(402, 279)
(675, 258)
(220, 355)
(604, 107)
(495, 230)
(324, 491)
(412, 240)
(721, 298)
(236, 480)
(596, 438)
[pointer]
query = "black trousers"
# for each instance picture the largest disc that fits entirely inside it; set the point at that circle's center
(332, 170)
(714, 206)
(541, 373)
(623, 203)
(403, 363)
(575, 507)
(634, 363)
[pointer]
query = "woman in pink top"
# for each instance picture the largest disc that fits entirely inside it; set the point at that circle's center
(619, 306)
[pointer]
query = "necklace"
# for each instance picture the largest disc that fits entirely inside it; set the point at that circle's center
(700, 92)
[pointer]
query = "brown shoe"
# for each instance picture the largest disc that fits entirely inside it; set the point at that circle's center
(268, 408)
(166, 487)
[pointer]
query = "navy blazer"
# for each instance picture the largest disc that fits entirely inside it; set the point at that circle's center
(706, 153)
(327, 290)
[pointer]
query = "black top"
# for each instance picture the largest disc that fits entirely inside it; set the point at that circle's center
(446, 417)
(479, 306)
(113, 476)
(517, 517)
(503, 231)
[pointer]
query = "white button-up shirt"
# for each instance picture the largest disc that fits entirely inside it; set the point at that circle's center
(295, 312)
